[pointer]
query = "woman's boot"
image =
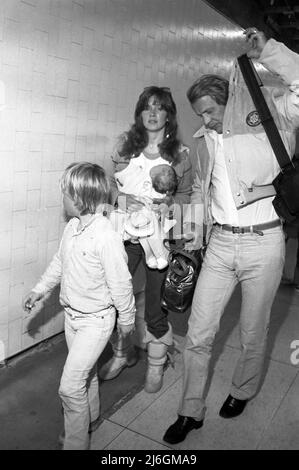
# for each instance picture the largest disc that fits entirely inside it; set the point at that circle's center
(124, 355)
(157, 357)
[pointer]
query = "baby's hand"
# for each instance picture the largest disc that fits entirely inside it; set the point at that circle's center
(29, 301)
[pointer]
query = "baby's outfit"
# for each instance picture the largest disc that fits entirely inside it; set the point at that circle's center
(143, 225)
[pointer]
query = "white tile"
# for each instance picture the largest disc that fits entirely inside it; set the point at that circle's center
(129, 440)
(15, 338)
(142, 400)
(6, 202)
(243, 432)
(282, 431)
(20, 191)
(6, 177)
(103, 436)
(5, 250)
(18, 229)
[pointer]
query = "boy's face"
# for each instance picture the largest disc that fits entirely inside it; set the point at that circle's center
(69, 206)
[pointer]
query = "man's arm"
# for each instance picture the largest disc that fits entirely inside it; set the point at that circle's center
(193, 214)
(283, 62)
(255, 193)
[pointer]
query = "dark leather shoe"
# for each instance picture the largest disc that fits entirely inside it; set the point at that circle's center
(178, 431)
(232, 407)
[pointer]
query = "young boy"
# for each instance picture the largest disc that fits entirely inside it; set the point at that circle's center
(91, 267)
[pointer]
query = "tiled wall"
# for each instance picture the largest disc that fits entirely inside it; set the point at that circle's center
(70, 75)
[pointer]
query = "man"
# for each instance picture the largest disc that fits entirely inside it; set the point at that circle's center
(231, 196)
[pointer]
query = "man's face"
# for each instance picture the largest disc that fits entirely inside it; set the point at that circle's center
(211, 113)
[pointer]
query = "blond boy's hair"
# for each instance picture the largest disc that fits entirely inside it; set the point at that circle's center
(87, 185)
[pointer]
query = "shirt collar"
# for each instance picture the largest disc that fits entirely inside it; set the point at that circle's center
(202, 131)
(85, 226)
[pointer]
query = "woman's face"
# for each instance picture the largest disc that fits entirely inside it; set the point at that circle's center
(154, 117)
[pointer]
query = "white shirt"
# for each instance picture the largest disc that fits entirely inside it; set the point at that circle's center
(91, 267)
(135, 178)
(224, 210)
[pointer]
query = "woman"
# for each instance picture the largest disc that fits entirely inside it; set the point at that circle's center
(151, 140)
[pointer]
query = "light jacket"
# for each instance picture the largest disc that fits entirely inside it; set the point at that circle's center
(91, 267)
(248, 154)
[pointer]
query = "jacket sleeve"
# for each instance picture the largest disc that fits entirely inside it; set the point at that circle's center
(194, 212)
(184, 173)
(52, 276)
(119, 281)
(283, 62)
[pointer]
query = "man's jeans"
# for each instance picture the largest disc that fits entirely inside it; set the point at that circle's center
(86, 337)
(256, 262)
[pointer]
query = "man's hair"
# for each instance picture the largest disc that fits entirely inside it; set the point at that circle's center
(214, 86)
(87, 185)
(164, 179)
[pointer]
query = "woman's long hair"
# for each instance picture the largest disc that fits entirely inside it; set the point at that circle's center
(133, 142)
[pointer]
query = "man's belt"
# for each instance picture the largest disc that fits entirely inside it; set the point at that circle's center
(251, 228)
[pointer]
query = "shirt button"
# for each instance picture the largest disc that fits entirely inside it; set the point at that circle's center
(238, 194)
(241, 202)
(228, 131)
(230, 160)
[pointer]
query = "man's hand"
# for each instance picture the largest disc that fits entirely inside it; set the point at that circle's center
(256, 41)
(30, 300)
(125, 330)
(193, 236)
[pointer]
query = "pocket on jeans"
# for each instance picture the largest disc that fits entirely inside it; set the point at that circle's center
(106, 324)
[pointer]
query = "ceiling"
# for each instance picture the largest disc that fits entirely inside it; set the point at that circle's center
(277, 18)
(282, 17)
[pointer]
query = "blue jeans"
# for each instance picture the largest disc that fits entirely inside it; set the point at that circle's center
(256, 262)
(86, 337)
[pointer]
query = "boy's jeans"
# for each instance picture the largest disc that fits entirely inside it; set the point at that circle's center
(256, 262)
(86, 337)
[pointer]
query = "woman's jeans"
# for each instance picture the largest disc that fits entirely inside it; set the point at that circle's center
(256, 262)
(154, 316)
(86, 337)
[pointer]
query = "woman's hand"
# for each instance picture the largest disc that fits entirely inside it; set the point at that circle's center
(256, 41)
(125, 330)
(129, 203)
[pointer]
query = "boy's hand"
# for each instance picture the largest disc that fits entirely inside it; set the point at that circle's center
(256, 41)
(30, 299)
(125, 330)
(193, 236)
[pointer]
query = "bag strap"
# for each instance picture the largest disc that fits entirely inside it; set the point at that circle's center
(254, 83)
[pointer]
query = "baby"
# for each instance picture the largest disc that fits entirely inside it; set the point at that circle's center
(144, 225)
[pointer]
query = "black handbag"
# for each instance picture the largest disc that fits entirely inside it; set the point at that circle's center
(181, 277)
(286, 184)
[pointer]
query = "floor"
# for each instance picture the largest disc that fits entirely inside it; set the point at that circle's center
(31, 418)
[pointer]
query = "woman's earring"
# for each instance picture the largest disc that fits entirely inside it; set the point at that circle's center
(167, 135)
